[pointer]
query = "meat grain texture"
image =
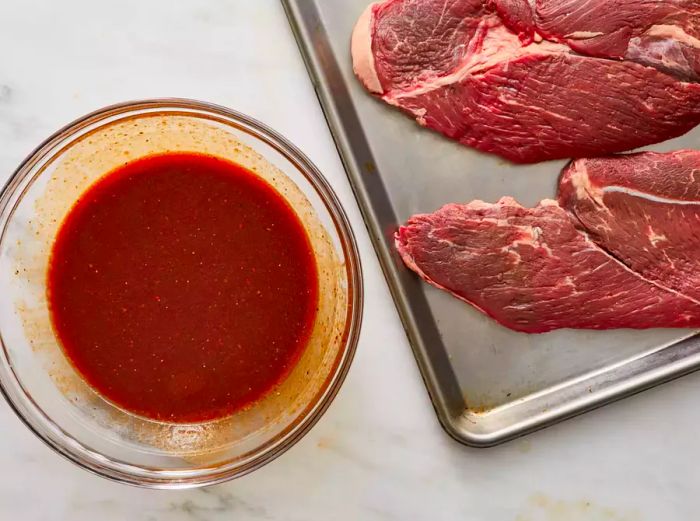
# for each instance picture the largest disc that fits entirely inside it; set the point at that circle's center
(540, 80)
(620, 249)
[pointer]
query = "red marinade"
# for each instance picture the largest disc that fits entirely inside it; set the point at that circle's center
(182, 287)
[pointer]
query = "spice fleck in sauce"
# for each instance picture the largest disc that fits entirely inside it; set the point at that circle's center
(182, 287)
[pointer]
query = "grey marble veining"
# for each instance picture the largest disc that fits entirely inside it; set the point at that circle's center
(378, 454)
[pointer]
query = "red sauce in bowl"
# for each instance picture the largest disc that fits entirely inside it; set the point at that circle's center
(182, 287)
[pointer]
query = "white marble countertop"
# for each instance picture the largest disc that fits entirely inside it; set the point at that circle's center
(379, 452)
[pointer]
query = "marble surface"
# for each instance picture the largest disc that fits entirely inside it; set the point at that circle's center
(379, 453)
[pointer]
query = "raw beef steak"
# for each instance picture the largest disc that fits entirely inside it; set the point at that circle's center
(480, 72)
(645, 210)
(533, 271)
(620, 249)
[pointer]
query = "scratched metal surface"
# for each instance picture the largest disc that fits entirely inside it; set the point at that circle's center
(488, 384)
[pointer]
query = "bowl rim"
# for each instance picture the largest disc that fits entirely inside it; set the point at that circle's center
(52, 435)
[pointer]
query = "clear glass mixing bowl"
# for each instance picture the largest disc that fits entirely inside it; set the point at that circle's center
(44, 389)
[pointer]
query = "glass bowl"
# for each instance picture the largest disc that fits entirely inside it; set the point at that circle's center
(44, 389)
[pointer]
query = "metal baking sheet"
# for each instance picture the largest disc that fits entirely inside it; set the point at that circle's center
(488, 384)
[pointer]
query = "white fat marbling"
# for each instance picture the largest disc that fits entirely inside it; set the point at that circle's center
(379, 453)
